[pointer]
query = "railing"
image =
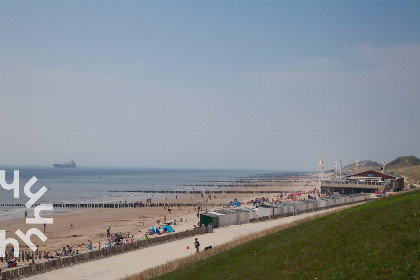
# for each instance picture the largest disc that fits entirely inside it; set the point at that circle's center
(352, 184)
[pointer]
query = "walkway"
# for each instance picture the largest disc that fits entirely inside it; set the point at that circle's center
(134, 262)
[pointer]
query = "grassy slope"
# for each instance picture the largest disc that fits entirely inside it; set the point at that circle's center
(377, 240)
(405, 161)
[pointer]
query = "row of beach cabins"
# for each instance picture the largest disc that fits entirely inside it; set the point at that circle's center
(238, 216)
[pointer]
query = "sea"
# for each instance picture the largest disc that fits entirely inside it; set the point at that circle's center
(101, 185)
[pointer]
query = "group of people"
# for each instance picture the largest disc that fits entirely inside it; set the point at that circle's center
(65, 252)
(13, 262)
(285, 196)
(118, 238)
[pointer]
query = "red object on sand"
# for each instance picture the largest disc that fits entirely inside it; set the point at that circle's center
(188, 247)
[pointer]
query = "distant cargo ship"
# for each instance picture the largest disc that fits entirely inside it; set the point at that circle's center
(70, 164)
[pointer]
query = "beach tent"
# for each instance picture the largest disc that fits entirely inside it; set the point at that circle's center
(155, 230)
(168, 228)
(235, 203)
(143, 237)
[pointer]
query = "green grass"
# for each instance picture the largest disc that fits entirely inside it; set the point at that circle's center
(377, 240)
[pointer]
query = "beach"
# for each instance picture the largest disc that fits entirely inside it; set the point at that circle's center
(76, 227)
(119, 266)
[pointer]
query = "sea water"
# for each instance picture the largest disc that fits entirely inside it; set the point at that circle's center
(101, 185)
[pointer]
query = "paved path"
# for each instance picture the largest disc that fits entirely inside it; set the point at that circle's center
(133, 262)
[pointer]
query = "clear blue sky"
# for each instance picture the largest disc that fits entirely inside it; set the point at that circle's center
(208, 84)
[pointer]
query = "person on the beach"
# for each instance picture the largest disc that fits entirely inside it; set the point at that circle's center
(26, 214)
(12, 262)
(108, 233)
(45, 226)
(37, 251)
(197, 245)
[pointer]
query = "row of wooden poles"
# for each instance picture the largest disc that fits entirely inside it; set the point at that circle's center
(138, 204)
(117, 205)
(205, 192)
(93, 255)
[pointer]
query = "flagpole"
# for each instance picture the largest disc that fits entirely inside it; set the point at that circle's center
(341, 167)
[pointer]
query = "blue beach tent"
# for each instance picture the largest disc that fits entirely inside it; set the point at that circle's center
(155, 230)
(168, 228)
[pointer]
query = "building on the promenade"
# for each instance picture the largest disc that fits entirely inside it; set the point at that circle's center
(368, 181)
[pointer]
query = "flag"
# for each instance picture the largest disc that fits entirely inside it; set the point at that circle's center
(357, 165)
(335, 165)
(322, 163)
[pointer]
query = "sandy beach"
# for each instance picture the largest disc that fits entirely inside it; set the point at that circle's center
(116, 267)
(76, 227)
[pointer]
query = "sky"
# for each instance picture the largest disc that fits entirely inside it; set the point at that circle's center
(208, 84)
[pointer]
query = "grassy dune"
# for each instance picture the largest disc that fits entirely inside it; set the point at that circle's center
(412, 173)
(377, 240)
